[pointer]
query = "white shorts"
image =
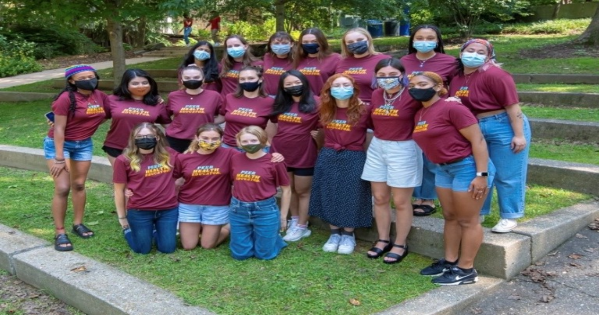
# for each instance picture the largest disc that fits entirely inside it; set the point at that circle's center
(397, 163)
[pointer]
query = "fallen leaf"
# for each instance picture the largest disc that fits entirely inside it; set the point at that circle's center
(578, 235)
(552, 254)
(11, 232)
(514, 297)
(574, 256)
(92, 223)
(594, 225)
(79, 269)
(573, 264)
(539, 263)
(589, 250)
(476, 311)
(354, 302)
(547, 298)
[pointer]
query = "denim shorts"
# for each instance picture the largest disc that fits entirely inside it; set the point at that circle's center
(81, 150)
(458, 176)
(224, 145)
(209, 215)
(397, 163)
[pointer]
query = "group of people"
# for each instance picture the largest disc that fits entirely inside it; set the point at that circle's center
(213, 22)
(340, 136)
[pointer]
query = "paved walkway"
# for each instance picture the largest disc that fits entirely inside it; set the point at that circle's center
(57, 73)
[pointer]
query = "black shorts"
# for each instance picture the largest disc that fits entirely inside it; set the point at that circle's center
(301, 171)
(112, 151)
(179, 145)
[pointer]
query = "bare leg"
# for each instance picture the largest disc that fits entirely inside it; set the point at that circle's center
(212, 235)
(62, 187)
(303, 185)
(111, 160)
(467, 212)
(402, 197)
(190, 233)
(382, 212)
(79, 170)
(294, 205)
(452, 232)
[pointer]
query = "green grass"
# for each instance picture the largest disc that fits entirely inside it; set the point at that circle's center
(566, 113)
(559, 87)
(302, 280)
(565, 151)
(41, 87)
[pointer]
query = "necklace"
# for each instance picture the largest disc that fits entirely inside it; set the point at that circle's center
(389, 101)
(422, 61)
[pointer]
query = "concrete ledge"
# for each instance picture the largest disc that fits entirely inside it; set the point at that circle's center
(445, 300)
(12, 242)
(553, 229)
(7, 96)
(556, 78)
(163, 73)
(93, 287)
(566, 175)
(565, 129)
(560, 99)
(108, 85)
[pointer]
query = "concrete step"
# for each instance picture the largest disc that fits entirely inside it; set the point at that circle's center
(581, 131)
(577, 177)
(590, 100)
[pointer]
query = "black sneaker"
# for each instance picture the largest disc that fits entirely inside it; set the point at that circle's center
(456, 276)
(437, 268)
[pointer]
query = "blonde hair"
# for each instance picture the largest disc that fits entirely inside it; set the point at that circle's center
(161, 155)
(345, 51)
(437, 80)
(194, 146)
(252, 130)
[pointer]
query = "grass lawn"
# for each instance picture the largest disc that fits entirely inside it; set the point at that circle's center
(303, 280)
(567, 113)
(565, 151)
(558, 87)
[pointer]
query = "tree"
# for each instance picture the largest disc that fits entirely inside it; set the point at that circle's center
(591, 35)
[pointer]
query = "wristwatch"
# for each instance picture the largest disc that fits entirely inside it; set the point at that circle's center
(483, 174)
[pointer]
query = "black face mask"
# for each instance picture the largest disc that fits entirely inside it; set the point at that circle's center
(422, 95)
(193, 84)
(358, 48)
(311, 48)
(146, 143)
(295, 90)
(87, 85)
(250, 86)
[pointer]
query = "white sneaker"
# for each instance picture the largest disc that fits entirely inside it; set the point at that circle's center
(332, 244)
(296, 234)
(291, 224)
(347, 244)
(505, 226)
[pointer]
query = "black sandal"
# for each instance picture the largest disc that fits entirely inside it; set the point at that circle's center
(395, 256)
(81, 231)
(62, 239)
(379, 252)
(426, 210)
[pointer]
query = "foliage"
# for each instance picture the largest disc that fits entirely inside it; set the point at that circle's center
(16, 57)
(562, 26)
(252, 31)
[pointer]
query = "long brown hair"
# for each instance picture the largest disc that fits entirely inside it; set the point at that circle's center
(161, 155)
(328, 106)
(194, 146)
(238, 93)
(227, 62)
(323, 51)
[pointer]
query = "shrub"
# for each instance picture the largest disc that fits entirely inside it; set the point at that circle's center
(16, 57)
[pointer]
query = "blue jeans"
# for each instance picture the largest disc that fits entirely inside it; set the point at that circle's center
(458, 176)
(144, 222)
(427, 190)
(74, 150)
(255, 229)
(186, 33)
(510, 179)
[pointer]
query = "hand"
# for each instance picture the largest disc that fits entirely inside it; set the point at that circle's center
(50, 123)
(314, 134)
(478, 187)
(128, 193)
(124, 223)
(518, 144)
(283, 225)
(58, 167)
(453, 99)
(277, 158)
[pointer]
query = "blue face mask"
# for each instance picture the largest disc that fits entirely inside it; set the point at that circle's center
(236, 52)
(342, 93)
(282, 49)
(201, 55)
(473, 60)
(424, 46)
(387, 83)
(358, 48)
(311, 48)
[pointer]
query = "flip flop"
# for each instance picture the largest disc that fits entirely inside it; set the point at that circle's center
(426, 210)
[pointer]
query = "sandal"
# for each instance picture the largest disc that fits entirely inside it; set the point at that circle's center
(379, 252)
(82, 230)
(426, 210)
(395, 256)
(62, 239)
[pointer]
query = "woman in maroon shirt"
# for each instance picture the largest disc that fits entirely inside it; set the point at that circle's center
(78, 110)
(314, 58)
(239, 55)
(202, 55)
(278, 59)
(450, 137)
(339, 196)
(296, 115)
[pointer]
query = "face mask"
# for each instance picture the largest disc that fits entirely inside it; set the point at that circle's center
(311, 48)
(235, 52)
(252, 148)
(473, 60)
(295, 90)
(342, 93)
(209, 145)
(193, 84)
(387, 83)
(250, 86)
(281, 49)
(88, 85)
(422, 95)
(424, 46)
(358, 48)
(201, 55)
(146, 143)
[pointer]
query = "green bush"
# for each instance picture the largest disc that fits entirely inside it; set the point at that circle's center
(562, 26)
(253, 31)
(16, 57)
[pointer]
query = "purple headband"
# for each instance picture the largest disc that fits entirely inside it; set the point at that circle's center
(480, 41)
(68, 72)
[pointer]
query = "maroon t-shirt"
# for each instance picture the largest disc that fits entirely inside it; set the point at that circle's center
(340, 135)
(89, 114)
(444, 65)
(274, 67)
(255, 180)
(153, 186)
(242, 112)
(362, 70)
(126, 115)
(395, 121)
(486, 91)
(293, 139)
(207, 177)
(190, 112)
(318, 71)
(437, 131)
(231, 80)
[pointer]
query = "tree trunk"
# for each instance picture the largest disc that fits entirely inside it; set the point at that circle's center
(591, 35)
(280, 15)
(115, 33)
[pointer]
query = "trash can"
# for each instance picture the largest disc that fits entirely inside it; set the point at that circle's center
(391, 27)
(404, 26)
(375, 28)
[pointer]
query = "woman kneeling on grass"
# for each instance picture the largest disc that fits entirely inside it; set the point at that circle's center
(151, 211)
(449, 135)
(255, 217)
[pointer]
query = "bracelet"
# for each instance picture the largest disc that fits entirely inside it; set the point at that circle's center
(59, 162)
(121, 218)
(55, 159)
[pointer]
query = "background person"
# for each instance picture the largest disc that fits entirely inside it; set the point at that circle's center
(187, 28)
(214, 24)
(278, 59)
(202, 55)
(239, 55)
